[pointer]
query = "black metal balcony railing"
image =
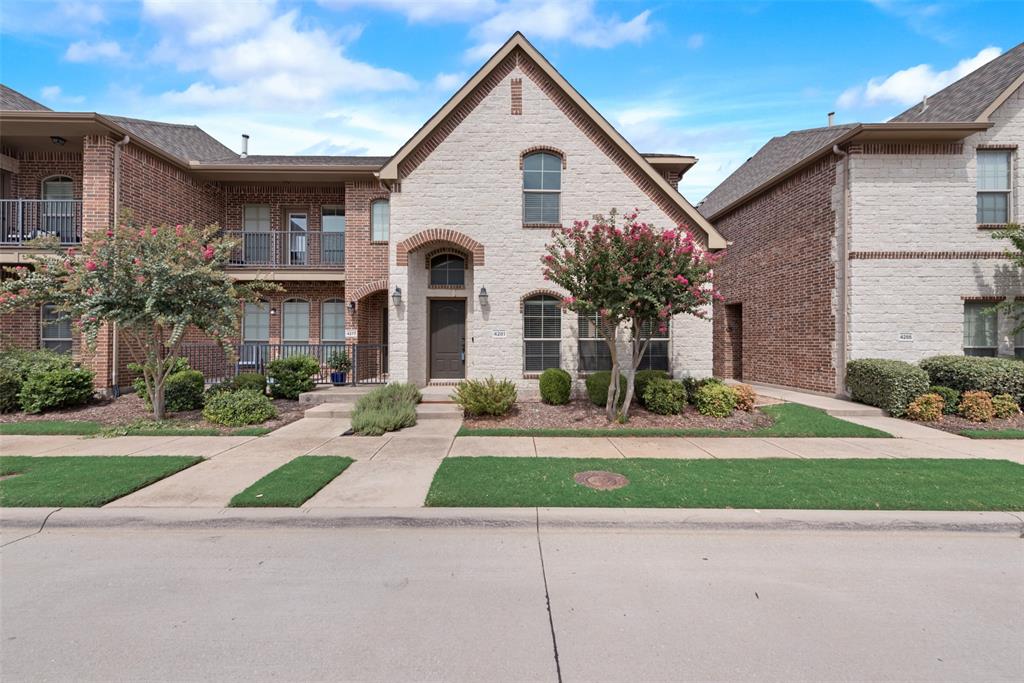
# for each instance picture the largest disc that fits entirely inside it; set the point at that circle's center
(22, 220)
(369, 361)
(285, 249)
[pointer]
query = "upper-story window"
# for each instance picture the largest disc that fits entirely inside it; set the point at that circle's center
(332, 225)
(256, 239)
(994, 193)
(58, 188)
(447, 270)
(55, 329)
(542, 188)
(981, 337)
(380, 220)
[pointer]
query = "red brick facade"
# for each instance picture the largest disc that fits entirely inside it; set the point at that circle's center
(778, 275)
(158, 192)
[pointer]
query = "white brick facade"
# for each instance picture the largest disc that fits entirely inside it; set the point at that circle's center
(926, 203)
(472, 183)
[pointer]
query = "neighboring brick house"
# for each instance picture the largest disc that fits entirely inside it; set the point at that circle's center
(428, 260)
(874, 240)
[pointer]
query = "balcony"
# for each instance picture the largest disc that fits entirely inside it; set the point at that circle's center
(22, 220)
(285, 249)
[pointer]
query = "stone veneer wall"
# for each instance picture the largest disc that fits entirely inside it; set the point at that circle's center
(471, 182)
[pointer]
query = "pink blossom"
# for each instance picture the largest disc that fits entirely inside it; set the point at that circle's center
(569, 300)
(137, 261)
(142, 233)
(208, 253)
(681, 280)
(152, 231)
(90, 265)
(140, 279)
(110, 233)
(668, 235)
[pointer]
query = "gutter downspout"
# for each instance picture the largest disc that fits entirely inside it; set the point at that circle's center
(115, 355)
(842, 241)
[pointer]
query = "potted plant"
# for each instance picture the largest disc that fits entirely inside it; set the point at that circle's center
(340, 364)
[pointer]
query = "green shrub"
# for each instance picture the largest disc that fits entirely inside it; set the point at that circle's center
(950, 399)
(692, 384)
(715, 399)
(24, 362)
(641, 379)
(977, 373)
(10, 387)
(926, 408)
(386, 409)
(555, 386)
(250, 380)
(291, 376)
(57, 388)
(377, 421)
(1004, 406)
(887, 384)
(239, 408)
(183, 389)
(486, 397)
(663, 396)
(597, 388)
(977, 406)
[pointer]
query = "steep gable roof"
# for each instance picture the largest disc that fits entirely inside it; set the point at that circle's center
(12, 100)
(970, 98)
(392, 169)
(188, 143)
(773, 160)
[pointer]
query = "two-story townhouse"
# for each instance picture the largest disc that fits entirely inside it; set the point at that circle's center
(874, 240)
(428, 261)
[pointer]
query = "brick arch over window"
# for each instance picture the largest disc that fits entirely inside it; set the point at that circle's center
(435, 237)
(541, 148)
(369, 288)
(540, 292)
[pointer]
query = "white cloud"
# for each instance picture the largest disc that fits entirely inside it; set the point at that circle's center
(695, 41)
(639, 115)
(55, 94)
(84, 51)
(81, 12)
(205, 22)
(447, 82)
(908, 86)
(423, 10)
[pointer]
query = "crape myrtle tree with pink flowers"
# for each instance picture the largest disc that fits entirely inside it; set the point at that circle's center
(636, 277)
(153, 283)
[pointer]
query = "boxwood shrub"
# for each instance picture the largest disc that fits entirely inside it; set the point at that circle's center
(597, 387)
(56, 388)
(641, 380)
(238, 408)
(950, 399)
(664, 397)
(977, 373)
(555, 386)
(291, 376)
(715, 399)
(888, 384)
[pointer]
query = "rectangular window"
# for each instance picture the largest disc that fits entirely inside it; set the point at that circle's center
(256, 240)
(55, 331)
(542, 333)
(594, 353)
(994, 186)
(257, 218)
(980, 329)
(380, 220)
(256, 323)
(542, 186)
(295, 327)
(656, 355)
(332, 321)
(332, 225)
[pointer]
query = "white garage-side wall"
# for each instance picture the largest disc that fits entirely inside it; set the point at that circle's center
(917, 250)
(472, 183)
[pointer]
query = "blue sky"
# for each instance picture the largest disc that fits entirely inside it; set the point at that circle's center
(714, 79)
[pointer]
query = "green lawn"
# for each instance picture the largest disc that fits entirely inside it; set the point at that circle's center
(87, 428)
(883, 484)
(791, 419)
(993, 433)
(292, 484)
(86, 481)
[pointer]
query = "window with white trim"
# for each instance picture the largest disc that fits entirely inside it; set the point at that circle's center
(981, 336)
(54, 330)
(256, 323)
(542, 189)
(295, 322)
(332, 321)
(656, 355)
(380, 220)
(542, 333)
(994, 193)
(332, 236)
(447, 270)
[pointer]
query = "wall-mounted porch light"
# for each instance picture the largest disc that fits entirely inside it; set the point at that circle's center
(351, 306)
(483, 296)
(57, 140)
(397, 297)
(273, 311)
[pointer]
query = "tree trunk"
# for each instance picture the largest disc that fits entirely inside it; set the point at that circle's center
(611, 406)
(159, 409)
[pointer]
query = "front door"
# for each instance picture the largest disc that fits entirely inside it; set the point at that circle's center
(447, 339)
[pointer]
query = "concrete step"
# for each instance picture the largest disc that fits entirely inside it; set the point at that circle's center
(424, 411)
(334, 394)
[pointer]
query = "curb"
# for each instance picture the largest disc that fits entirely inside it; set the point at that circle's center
(553, 519)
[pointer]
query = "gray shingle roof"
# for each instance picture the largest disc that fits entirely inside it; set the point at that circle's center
(778, 155)
(965, 100)
(188, 143)
(12, 100)
(303, 160)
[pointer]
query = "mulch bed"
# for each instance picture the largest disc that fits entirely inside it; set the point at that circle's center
(585, 415)
(956, 424)
(130, 408)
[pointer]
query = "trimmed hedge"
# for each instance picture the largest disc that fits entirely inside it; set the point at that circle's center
(715, 399)
(887, 384)
(291, 376)
(57, 388)
(239, 408)
(10, 387)
(641, 380)
(16, 365)
(555, 386)
(597, 388)
(664, 397)
(950, 399)
(977, 373)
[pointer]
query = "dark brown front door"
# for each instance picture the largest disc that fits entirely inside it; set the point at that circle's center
(447, 339)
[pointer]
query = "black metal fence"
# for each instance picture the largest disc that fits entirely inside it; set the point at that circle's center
(22, 220)
(369, 361)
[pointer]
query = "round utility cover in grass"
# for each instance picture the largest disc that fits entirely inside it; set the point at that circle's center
(600, 480)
